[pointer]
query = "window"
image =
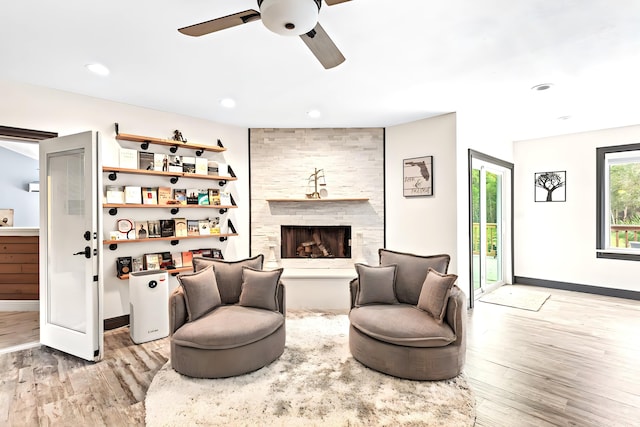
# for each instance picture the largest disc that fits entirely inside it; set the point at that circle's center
(618, 202)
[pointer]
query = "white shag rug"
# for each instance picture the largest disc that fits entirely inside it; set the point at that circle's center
(517, 297)
(315, 382)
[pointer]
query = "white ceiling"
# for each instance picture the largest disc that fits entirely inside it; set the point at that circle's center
(406, 60)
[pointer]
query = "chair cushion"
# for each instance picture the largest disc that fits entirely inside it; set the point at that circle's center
(401, 324)
(377, 284)
(228, 274)
(229, 326)
(435, 293)
(259, 288)
(412, 270)
(200, 292)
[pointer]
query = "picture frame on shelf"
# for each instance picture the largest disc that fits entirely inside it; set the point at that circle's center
(550, 186)
(417, 177)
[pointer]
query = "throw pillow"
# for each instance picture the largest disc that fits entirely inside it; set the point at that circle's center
(435, 293)
(377, 284)
(412, 270)
(259, 288)
(200, 292)
(229, 274)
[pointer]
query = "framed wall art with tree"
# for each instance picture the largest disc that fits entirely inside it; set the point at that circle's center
(550, 186)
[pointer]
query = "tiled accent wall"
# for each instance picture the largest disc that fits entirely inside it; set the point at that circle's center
(281, 161)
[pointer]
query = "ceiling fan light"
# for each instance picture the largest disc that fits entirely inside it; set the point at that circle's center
(289, 17)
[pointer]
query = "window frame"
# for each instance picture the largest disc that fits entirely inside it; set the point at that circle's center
(602, 214)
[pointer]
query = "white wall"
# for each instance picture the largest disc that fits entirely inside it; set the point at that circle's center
(423, 225)
(32, 107)
(16, 173)
(557, 241)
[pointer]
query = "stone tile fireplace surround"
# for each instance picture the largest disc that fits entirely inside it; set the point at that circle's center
(281, 162)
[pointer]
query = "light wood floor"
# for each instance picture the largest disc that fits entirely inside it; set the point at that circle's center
(573, 363)
(19, 327)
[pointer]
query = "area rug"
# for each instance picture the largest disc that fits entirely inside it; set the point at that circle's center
(315, 382)
(517, 297)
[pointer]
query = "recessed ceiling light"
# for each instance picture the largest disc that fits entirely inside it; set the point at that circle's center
(227, 103)
(564, 117)
(98, 69)
(314, 114)
(542, 86)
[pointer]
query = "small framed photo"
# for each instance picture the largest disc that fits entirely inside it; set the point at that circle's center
(417, 176)
(550, 186)
(6, 217)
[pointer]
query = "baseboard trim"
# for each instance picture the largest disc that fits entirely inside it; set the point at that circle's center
(588, 289)
(116, 322)
(19, 305)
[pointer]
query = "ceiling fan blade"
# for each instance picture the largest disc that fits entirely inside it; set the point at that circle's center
(323, 47)
(332, 2)
(218, 24)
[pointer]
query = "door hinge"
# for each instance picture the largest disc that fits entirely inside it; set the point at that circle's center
(95, 278)
(96, 353)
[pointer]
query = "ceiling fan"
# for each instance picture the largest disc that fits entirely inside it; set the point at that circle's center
(285, 17)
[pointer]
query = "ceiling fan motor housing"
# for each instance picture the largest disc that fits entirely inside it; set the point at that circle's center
(289, 17)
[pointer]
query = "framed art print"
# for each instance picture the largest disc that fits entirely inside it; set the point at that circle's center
(417, 176)
(550, 186)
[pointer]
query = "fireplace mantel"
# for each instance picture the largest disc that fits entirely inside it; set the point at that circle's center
(346, 199)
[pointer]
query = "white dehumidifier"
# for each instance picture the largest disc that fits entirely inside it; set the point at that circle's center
(149, 305)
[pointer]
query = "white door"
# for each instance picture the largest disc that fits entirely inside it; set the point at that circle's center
(70, 292)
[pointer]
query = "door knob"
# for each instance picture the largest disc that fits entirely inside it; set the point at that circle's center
(86, 252)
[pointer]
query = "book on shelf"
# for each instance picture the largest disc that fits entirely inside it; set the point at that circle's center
(133, 195)
(223, 169)
(187, 259)
(154, 228)
(145, 160)
(152, 261)
(115, 194)
(192, 196)
(203, 197)
(188, 164)
(180, 227)
(166, 260)
(128, 158)
(196, 253)
(167, 228)
(206, 253)
(212, 167)
(216, 253)
(149, 195)
(164, 195)
(203, 227)
(180, 196)
(214, 225)
(142, 230)
(201, 166)
(175, 164)
(123, 265)
(214, 196)
(160, 162)
(137, 264)
(192, 227)
(176, 259)
(225, 198)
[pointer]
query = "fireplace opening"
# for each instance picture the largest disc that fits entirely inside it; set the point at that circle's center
(318, 241)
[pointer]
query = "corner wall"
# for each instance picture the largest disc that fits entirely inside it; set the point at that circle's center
(557, 241)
